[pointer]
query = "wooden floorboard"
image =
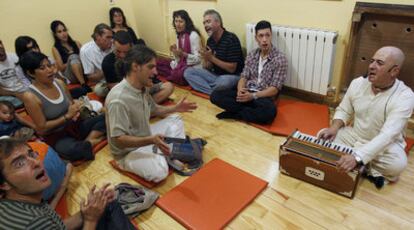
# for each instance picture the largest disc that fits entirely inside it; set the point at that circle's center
(287, 203)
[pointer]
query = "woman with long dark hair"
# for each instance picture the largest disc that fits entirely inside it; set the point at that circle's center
(66, 53)
(55, 114)
(186, 49)
(118, 23)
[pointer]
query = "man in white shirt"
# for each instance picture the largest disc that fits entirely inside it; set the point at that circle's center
(11, 84)
(380, 105)
(92, 55)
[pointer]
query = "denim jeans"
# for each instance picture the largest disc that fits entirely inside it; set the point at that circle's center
(204, 81)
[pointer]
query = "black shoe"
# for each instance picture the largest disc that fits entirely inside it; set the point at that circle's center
(226, 115)
(379, 181)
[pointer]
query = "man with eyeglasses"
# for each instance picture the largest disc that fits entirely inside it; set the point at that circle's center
(22, 181)
(379, 105)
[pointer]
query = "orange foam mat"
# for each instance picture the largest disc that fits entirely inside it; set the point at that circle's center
(211, 197)
(410, 144)
(93, 96)
(73, 86)
(203, 95)
(135, 177)
(307, 117)
(135, 223)
(62, 207)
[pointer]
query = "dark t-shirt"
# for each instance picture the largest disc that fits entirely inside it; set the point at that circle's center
(135, 39)
(108, 68)
(227, 49)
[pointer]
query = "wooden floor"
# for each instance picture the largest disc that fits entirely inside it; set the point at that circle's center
(286, 203)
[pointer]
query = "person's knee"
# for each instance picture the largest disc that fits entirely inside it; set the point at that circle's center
(225, 82)
(168, 87)
(158, 173)
(389, 165)
(393, 170)
(175, 126)
(189, 73)
(215, 97)
(269, 115)
(265, 117)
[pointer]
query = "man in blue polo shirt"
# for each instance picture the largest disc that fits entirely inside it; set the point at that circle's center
(222, 58)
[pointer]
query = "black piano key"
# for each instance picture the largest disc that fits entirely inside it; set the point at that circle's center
(299, 136)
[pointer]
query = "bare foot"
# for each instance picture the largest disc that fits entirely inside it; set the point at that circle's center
(95, 141)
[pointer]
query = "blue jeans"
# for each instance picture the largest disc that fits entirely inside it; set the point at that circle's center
(204, 81)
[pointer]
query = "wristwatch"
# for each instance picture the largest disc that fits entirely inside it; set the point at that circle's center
(358, 160)
(254, 96)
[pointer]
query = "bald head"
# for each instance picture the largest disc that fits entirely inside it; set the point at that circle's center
(393, 54)
(385, 67)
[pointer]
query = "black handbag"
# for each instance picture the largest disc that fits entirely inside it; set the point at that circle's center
(186, 154)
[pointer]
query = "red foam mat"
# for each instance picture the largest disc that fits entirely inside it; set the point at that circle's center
(203, 95)
(93, 96)
(410, 144)
(211, 197)
(62, 207)
(135, 177)
(307, 117)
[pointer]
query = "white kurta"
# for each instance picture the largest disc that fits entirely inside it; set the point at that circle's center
(378, 128)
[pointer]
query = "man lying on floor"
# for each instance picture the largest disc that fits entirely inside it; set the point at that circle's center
(23, 179)
(129, 108)
(380, 106)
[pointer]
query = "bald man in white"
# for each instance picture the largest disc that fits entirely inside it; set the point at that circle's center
(379, 106)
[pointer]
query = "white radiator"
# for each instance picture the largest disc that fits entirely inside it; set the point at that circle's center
(310, 54)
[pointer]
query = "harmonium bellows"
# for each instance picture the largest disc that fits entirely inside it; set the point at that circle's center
(313, 160)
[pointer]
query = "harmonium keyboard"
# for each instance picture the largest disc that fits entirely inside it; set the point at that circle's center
(314, 160)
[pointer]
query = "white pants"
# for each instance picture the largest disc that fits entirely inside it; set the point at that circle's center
(389, 164)
(149, 165)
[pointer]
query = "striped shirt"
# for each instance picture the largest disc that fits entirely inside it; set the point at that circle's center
(273, 73)
(24, 215)
(227, 49)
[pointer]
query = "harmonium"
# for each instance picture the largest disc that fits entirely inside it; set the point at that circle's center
(313, 160)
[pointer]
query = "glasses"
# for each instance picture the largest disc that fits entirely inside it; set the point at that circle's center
(24, 160)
